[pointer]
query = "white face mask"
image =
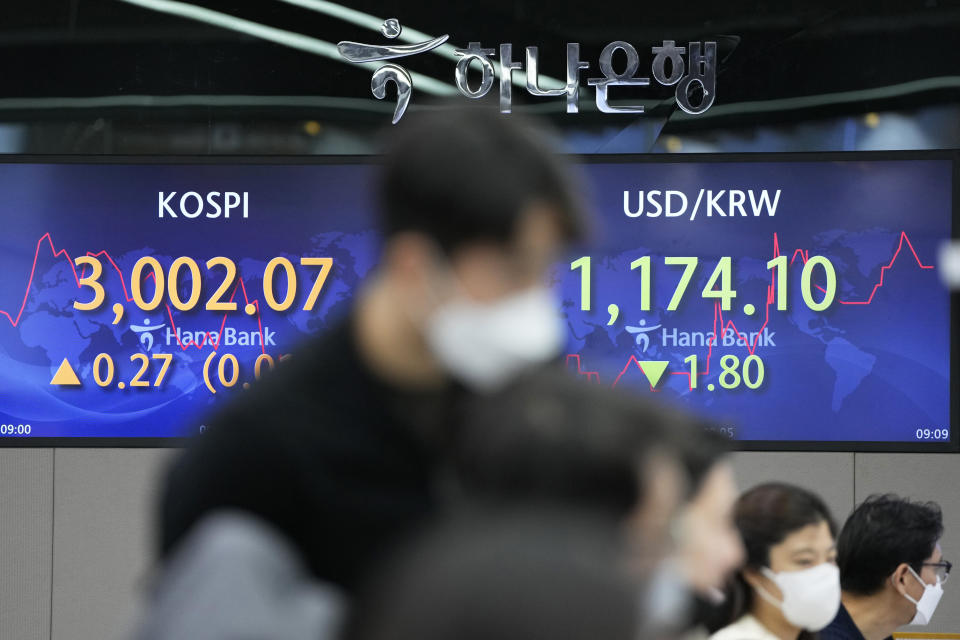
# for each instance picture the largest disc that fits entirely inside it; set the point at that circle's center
(485, 345)
(811, 597)
(668, 598)
(928, 602)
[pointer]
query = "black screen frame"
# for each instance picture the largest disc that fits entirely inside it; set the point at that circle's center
(855, 446)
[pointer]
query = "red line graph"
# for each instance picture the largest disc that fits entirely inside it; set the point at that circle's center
(632, 360)
(725, 326)
(63, 253)
(592, 376)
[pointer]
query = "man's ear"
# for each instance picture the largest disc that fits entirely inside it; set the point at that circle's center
(900, 577)
(752, 577)
(408, 257)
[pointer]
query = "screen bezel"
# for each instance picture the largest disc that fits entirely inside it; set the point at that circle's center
(856, 446)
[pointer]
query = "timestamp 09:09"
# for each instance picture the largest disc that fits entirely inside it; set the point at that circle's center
(932, 434)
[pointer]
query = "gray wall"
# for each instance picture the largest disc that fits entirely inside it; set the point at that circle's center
(75, 527)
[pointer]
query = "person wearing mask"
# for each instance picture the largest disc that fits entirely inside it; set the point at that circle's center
(661, 473)
(892, 569)
(789, 587)
(337, 449)
(705, 547)
(709, 546)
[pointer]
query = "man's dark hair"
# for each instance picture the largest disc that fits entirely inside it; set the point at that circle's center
(460, 175)
(553, 438)
(699, 455)
(881, 533)
(527, 574)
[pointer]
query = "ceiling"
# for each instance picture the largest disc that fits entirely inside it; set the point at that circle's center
(782, 61)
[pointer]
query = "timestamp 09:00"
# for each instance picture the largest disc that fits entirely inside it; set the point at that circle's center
(14, 429)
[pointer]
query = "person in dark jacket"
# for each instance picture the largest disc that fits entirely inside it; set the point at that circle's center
(337, 449)
(892, 569)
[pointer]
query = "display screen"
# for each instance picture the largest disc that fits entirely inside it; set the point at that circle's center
(793, 300)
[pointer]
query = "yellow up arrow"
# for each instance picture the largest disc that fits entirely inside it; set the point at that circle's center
(65, 376)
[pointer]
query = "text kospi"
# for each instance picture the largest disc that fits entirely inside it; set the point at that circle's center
(193, 204)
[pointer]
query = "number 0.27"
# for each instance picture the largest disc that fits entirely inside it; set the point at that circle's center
(103, 369)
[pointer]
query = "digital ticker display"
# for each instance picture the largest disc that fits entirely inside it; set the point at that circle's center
(792, 299)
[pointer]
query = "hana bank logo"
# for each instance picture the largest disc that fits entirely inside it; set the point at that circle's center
(229, 336)
(145, 331)
(643, 339)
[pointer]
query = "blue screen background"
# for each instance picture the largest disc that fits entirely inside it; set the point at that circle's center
(856, 372)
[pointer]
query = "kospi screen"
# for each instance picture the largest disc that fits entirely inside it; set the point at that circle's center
(793, 299)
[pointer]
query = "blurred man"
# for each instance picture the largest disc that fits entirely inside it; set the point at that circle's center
(539, 574)
(337, 450)
(555, 439)
(658, 472)
(235, 577)
(707, 536)
(891, 568)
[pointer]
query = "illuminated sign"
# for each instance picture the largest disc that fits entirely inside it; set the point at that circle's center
(796, 301)
(696, 74)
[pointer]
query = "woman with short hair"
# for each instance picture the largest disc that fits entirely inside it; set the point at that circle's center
(789, 587)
